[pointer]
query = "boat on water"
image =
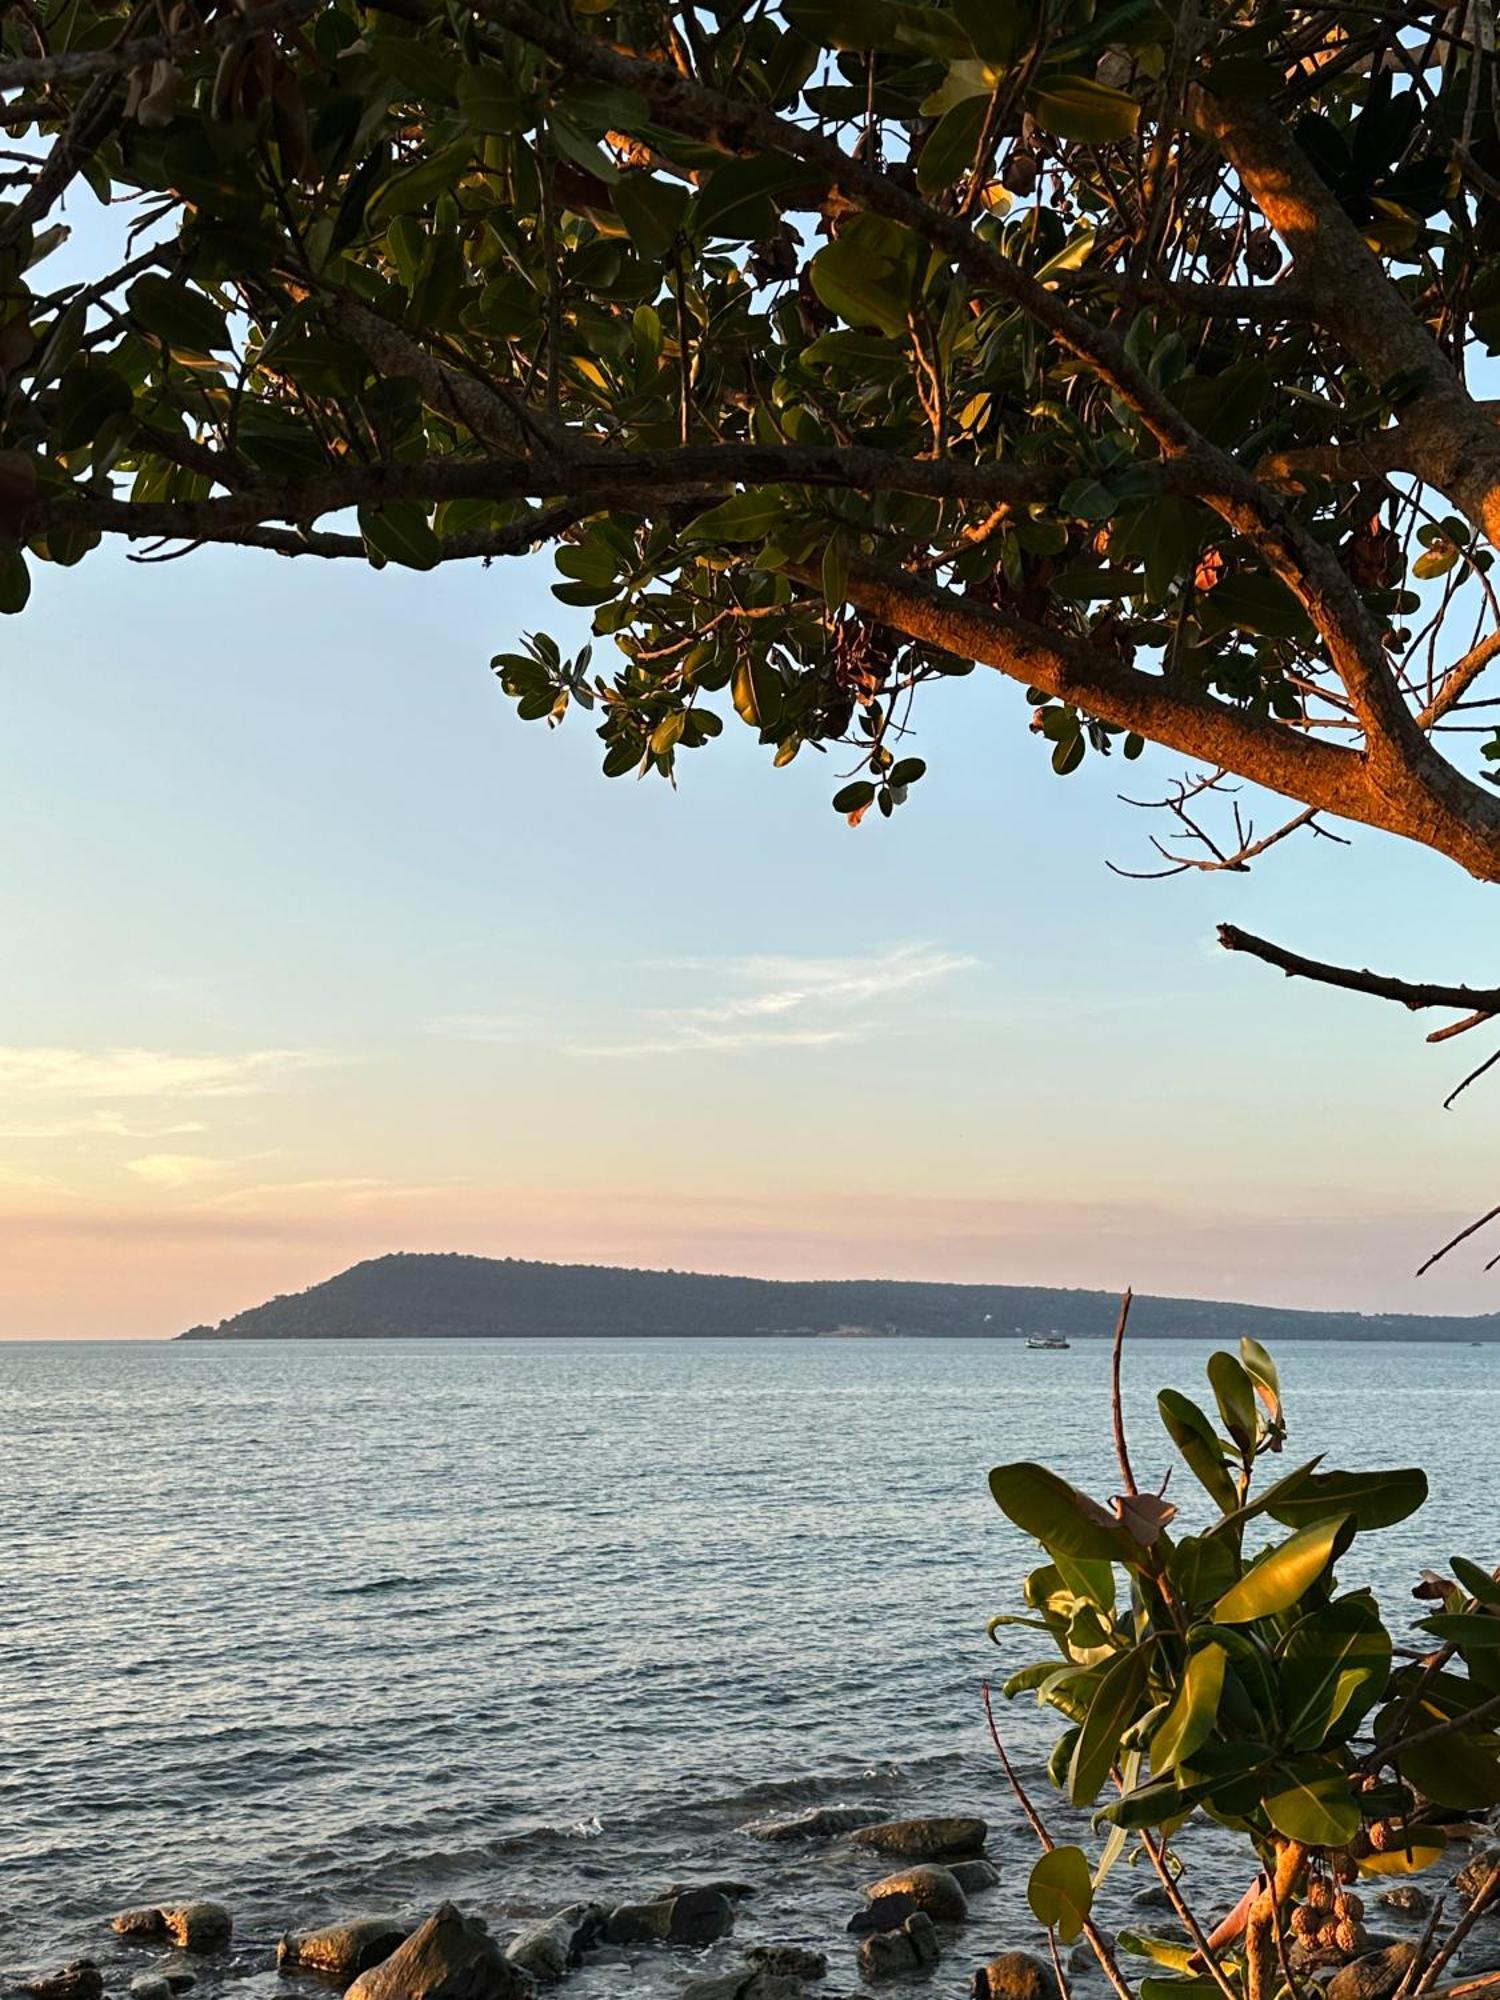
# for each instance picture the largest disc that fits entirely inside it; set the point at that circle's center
(1051, 1342)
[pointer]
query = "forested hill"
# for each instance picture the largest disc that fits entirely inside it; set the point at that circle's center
(443, 1297)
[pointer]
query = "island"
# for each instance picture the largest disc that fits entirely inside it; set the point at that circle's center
(412, 1295)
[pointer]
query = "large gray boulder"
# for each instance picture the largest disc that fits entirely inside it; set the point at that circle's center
(1375, 1976)
(191, 1926)
(1016, 1975)
(973, 1876)
(342, 1951)
(932, 1890)
(451, 1957)
(929, 1838)
(697, 1917)
(550, 1949)
(883, 1913)
(817, 1823)
(901, 1954)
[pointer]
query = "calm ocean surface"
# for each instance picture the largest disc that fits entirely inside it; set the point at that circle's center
(322, 1628)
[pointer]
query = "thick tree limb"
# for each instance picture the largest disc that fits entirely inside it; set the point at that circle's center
(1452, 443)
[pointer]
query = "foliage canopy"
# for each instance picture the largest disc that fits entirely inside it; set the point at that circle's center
(834, 346)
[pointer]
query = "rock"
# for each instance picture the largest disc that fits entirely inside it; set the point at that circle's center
(925, 1839)
(1375, 1976)
(933, 1890)
(150, 1986)
(451, 1957)
(900, 1954)
(192, 1926)
(549, 1950)
(1152, 1897)
(1081, 1958)
(735, 1891)
(1473, 1876)
(82, 1980)
(749, 1983)
(139, 1924)
(697, 1917)
(794, 1961)
(344, 1950)
(1407, 1899)
(972, 1876)
(884, 1913)
(817, 1823)
(1015, 1975)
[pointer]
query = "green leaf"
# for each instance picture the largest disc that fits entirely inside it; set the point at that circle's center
(652, 211)
(739, 201)
(1234, 1392)
(869, 273)
(746, 517)
(400, 534)
(91, 393)
(1472, 1631)
(1161, 1951)
(1460, 1770)
(15, 582)
(1476, 1581)
(1116, 1701)
(490, 102)
(1197, 1440)
(1315, 1806)
(1061, 1891)
(1076, 107)
(1333, 1671)
(854, 798)
(1282, 1575)
(1371, 1499)
(951, 147)
(1191, 1718)
(1261, 1369)
(1254, 603)
(177, 315)
(1060, 1517)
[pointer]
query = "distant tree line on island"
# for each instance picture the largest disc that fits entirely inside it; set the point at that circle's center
(421, 1296)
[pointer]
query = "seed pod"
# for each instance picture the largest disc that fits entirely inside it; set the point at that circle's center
(1345, 1868)
(1304, 1921)
(1385, 1836)
(1319, 1894)
(1345, 1905)
(1328, 1937)
(1360, 1848)
(1350, 1937)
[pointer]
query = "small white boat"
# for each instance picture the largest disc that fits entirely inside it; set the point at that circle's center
(1050, 1342)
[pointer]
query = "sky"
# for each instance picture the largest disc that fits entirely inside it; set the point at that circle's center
(314, 951)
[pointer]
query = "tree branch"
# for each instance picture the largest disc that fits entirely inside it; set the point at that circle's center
(1412, 993)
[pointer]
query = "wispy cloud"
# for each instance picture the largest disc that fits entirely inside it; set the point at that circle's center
(172, 1171)
(766, 1000)
(95, 1125)
(111, 1075)
(784, 1002)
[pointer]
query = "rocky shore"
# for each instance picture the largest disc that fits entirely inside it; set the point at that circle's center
(912, 1922)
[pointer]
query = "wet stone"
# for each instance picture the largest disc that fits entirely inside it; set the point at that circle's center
(933, 1890)
(1015, 1975)
(817, 1823)
(451, 1957)
(1375, 1976)
(883, 1913)
(900, 1954)
(793, 1961)
(342, 1951)
(82, 1980)
(974, 1876)
(929, 1837)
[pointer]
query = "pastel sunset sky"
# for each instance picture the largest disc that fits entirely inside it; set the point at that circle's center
(314, 951)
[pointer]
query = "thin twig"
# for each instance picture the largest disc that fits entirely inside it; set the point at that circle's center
(1122, 1451)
